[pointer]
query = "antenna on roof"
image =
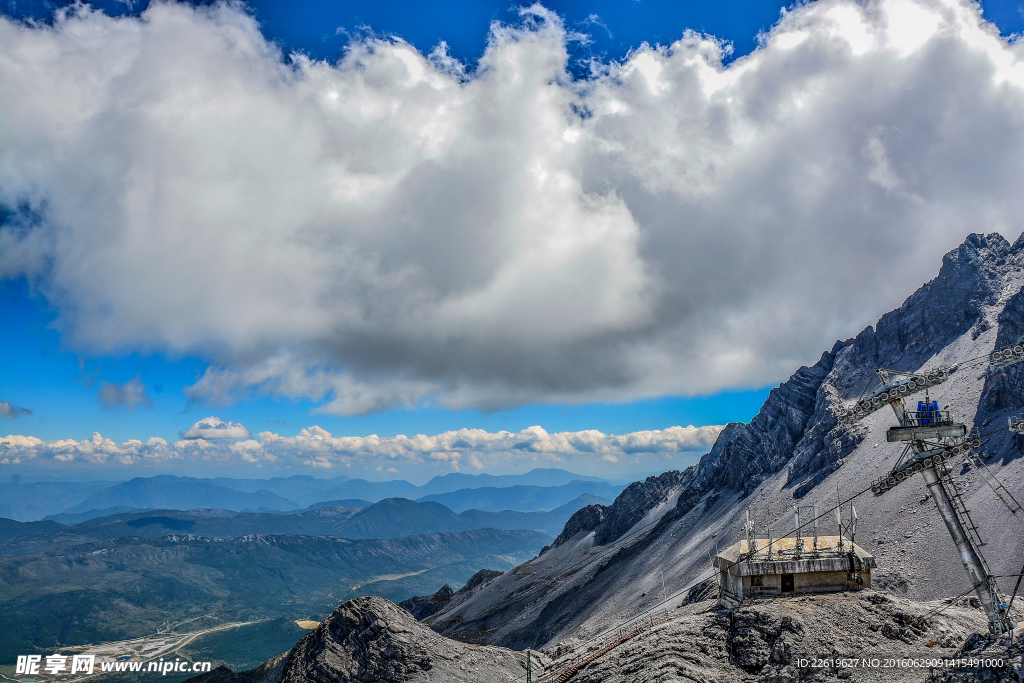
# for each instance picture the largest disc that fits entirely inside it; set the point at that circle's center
(839, 516)
(749, 529)
(853, 529)
(815, 527)
(799, 536)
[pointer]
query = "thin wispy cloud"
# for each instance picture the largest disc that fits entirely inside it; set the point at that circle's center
(391, 229)
(129, 395)
(9, 411)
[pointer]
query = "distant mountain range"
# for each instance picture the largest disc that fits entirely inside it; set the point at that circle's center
(389, 518)
(32, 501)
(80, 501)
(180, 493)
(529, 498)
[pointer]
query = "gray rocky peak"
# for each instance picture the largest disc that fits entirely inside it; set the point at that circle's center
(480, 578)
(634, 502)
(423, 606)
(373, 639)
(585, 519)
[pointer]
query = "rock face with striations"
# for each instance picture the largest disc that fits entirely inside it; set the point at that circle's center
(634, 502)
(585, 519)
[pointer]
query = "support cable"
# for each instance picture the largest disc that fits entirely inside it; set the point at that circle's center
(1019, 577)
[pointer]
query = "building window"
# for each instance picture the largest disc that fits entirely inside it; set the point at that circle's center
(757, 580)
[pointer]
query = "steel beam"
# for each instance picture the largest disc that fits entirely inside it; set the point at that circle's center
(942, 431)
(984, 585)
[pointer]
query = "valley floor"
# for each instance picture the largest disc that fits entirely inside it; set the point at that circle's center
(145, 649)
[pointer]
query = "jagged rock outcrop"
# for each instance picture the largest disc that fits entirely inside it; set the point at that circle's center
(744, 456)
(759, 636)
(585, 519)
(1004, 388)
(774, 641)
(989, 660)
(634, 502)
(422, 606)
(372, 639)
(479, 579)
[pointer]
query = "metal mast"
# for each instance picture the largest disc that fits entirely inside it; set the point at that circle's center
(932, 439)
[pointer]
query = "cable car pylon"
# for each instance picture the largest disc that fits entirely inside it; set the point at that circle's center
(932, 439)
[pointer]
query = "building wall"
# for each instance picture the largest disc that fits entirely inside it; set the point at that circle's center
(731, 583)
(808, 582)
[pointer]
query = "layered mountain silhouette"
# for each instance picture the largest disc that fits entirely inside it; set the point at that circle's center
(389, 518)
(72, 502)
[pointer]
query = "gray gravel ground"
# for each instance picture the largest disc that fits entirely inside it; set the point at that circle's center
(794, 639)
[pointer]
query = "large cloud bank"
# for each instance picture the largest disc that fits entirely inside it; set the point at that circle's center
(316, 447)
(391, 228)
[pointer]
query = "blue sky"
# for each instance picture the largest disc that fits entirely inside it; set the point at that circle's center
(322, 29)
(85, 361)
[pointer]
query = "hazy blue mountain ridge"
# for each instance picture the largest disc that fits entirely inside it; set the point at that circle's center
(445, 483)
(526, 498)
(390, 518)
(166, 491)
(27, 502)
(81, 501)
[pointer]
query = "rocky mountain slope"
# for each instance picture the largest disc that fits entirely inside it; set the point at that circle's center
(858, 637)
(372, 639)
(658, 537)
(870, 635)
(423, 606)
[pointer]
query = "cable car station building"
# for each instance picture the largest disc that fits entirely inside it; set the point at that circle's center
(787, 566)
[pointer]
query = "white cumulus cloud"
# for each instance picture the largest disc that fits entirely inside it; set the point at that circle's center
(315, 447)
(215, 428)
(394, 227)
